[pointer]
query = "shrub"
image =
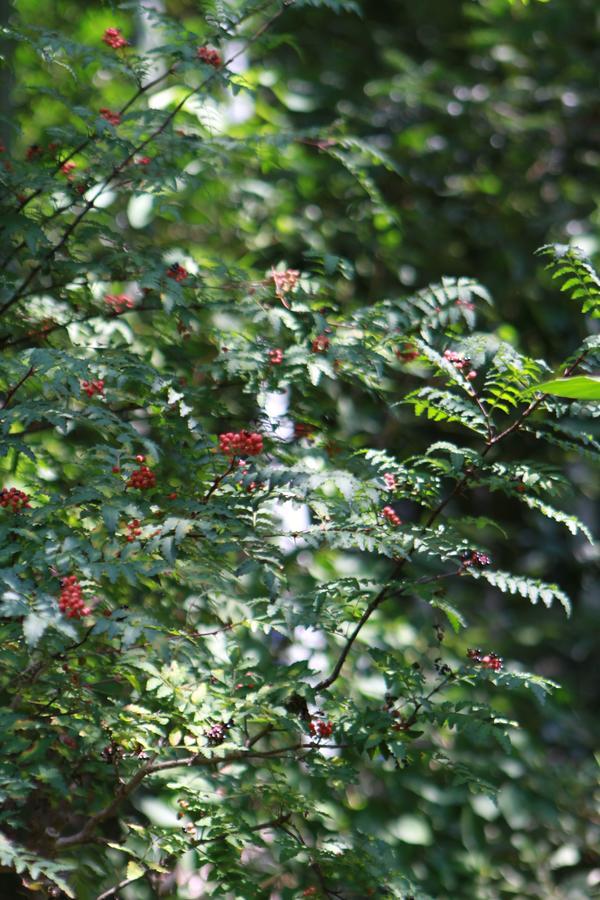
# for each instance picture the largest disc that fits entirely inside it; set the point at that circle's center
(229, 555)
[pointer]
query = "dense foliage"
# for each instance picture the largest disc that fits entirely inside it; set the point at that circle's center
(271, 510)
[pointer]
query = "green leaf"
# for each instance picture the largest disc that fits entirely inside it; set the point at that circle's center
(580, 387)
(530, 588)
(134, 870)
(34, 627)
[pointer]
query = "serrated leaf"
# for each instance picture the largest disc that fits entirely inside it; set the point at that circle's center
(529, 588)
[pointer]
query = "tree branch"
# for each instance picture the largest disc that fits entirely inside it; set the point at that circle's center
(84, 835)
(458, 487)
(14, 389)
(118, 169)
(111, 892)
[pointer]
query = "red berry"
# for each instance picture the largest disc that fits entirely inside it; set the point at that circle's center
(119, 302)
(240, 443)
(209, 56)
(177, 272)
(391, 515)
(112, 37)
(113, 118)
(320, 344)
(303, 429)
(488, 661)
(70, 601)
(321, 729)
(276, 357)
(142, 478)
(475, 558)
(93, 387)
(284, 281)
(14, 499)
(407, 353)
(460, 362)
(67, 168)
(33, 151)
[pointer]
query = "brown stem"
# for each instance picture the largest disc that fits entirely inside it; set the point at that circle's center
(91, 137)
(219, 479)
(16, 387)
(408, 723)
(124, 163)
(383, 593)
(272, 823)
(250, 742)
(111, 892)
(84, 835)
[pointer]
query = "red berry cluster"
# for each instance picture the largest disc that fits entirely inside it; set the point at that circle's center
(142, 478)
(209, 56)
(475, 558)
(321, 729)
(14, 499)
(42, 328)
(460, 362)
(177, 272)
(216, 734)
(276, 357)
(401, 725)
(113, 118)
(112, 37)
(249, 684)
(34, 151)
(119, 302)
(407, 353)
(320, 344)
(390, 481)
(391, 515)
(133, 530)
(240, 443)
(284, 281)
(303, 429)
(67, 168)
(488, 661)
(244, 469)
(144, 161)
(71, 599)
(93, 387)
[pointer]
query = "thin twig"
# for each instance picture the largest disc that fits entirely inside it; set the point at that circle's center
(84, 835)
(458, 487)
(117, 169)
(219, 479)
(16, 387)
(273, 823)
(111, 892)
